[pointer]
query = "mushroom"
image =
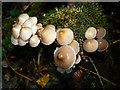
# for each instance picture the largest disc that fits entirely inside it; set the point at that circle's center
(90, 45)
(100, 32)
(48, 36)
(102, 45)
(14, 41)
(50, 27)
(90, 33)
(16, 30)
(33, 20)
(22, 42)
(22, 18)
(27, 23)
(64, 58)
(25, 33)
(39, 25)
(39, 31)
(34, 29)
(75, 45)
(78, 59)
(34, 41)
(64, 36)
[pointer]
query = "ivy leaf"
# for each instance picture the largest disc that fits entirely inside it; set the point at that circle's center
(14, 12)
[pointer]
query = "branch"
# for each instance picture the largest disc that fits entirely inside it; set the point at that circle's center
(115, 42)
(99, 75)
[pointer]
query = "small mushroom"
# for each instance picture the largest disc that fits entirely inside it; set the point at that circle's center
(78, 59)
(100, 32)
(75, 45)
(33, 20)
(22, 42)
(39, 31)
(102, 45)
(25, 33)
(90, 33)
(39, 25)
(27, 23)
(90, 45)
(16, 30)
(22, 18)
(14, 41)
(48, 36)
(64, 58)
(50, 27)
(34, 29)
(64, 36)
(34, 41)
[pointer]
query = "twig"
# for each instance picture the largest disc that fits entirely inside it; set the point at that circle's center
(99, 75)
(95, 69)
(115, 42)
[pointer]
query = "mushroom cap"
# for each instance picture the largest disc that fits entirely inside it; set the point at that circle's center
(100, 32)
(39, 25)
(90, 45)
(64, 36)
(39, 31)
(102, 44)
(27, 23)
(78, 59)
(14, 41)
(22, 18)
(90, 33)
(50, 27)
(33, 20)
(25, 33)
(16, 30)
(75, 45)
(48, 36)
(22, 42)
(34, 41)
(64, 57)
(34, 29)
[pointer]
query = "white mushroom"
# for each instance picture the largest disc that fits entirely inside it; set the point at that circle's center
(64, 36)
(64, 58)
(39, 25)
(33, 20)
(16, 30)
(14, 41)
(34, 41)
(27, 23)
(78, 59)
(25, 33)
(90, 33)
(90, 45)
(50, 27)
(48, 36)
(22, 18)
(34, 29)
(22, 42)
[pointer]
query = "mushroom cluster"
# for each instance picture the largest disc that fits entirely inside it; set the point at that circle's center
(91, 45)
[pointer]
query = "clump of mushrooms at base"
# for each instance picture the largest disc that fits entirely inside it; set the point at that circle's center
(27, 30)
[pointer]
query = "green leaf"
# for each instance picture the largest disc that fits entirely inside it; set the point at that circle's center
(14, 12)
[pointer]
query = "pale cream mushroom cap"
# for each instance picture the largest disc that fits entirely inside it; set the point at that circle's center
(64, 36)
(22, 42)
(100, 32)
(39, 31)
(25, 33)
(27, 23)
(22, 18)
(16, 30)
(33, 20)
(78, 59)
(34, 41)
(90, 45)
(14, 41)
(75, 45)
(34, 29)
(102, 45)
(48, 36)
(90, 33)
(39, 25)
(64, 57)
(50, 27)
